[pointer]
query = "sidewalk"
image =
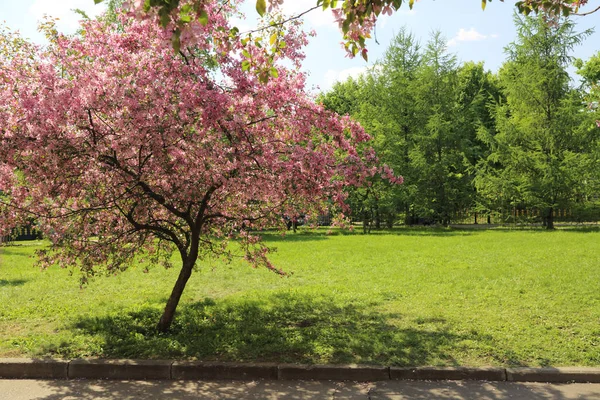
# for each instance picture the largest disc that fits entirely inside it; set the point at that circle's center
(186, 390)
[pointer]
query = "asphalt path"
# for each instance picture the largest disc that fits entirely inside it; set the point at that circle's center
(397, 390)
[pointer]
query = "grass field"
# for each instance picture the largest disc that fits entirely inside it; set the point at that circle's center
(406, 297)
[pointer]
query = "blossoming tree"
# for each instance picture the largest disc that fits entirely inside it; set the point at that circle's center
(121, 148)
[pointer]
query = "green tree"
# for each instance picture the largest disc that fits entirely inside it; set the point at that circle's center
(383, 101)
(440, 142)
(477, 91)
(539, 153)
(398, 115)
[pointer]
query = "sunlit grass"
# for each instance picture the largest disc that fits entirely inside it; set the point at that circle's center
(405, 297)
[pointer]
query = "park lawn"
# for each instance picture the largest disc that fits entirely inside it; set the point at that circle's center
(406, 297)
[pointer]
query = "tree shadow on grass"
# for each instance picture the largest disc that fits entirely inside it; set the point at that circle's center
(424, 231)
(280, 328)
(304, 236)
(580, 229)
(12, 282)
(401, 231)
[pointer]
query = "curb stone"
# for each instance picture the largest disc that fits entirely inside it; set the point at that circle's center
(212, 370)
(333, 372)
(555, 375)
(448, 373)
(32, 368)
(120, 369)
(29, 368)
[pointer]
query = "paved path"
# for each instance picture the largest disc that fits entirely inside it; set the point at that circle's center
(186, 390)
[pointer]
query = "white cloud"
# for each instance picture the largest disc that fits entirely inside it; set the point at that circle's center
(464, 35)
(333, 76)
(68, 19)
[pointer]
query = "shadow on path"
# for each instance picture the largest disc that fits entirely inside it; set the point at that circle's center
(184, 390)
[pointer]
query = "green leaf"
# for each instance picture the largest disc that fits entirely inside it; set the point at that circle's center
(273, 72)
(410, 4)
(165, 18)
(203, 17)
(273, 39)
(246, 54)
(263, 77)
(483, 4)
(98, 1)
(261, 7)
(346, 26)
(186, 9)
(245, 65)
(176, 40)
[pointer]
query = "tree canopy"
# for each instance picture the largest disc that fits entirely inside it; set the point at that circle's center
(124, 151)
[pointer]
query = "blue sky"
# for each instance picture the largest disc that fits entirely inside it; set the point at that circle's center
(473, 34)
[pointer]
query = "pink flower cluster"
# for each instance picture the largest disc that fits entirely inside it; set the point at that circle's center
(118, 146)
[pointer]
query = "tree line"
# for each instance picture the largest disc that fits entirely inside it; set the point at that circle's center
(526, 137)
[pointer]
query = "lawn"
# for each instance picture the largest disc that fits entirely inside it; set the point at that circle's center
(406, 297)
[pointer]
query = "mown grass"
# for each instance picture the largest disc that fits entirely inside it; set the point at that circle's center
(402, 297)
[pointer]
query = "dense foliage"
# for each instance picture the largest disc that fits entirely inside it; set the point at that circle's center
(467, 139)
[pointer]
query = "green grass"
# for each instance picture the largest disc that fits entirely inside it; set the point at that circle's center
(406, 297)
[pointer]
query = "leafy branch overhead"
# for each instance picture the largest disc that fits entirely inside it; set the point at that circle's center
(355, 18)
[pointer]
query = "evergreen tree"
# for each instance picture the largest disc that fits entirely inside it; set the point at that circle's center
(538, 146)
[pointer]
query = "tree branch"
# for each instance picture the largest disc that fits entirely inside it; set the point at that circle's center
(281, 22)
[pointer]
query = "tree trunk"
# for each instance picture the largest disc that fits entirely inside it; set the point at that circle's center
(550, 219)
(184, 275)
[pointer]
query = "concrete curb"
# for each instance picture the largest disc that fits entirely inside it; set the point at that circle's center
(449, 373)
(27, 368)
(31, 368)
(120, 369)
(333, 372)
(555, 375)
(182, 370)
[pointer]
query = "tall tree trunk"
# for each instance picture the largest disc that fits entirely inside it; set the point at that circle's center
(550, 219)
(407, 215)
(184, 275)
